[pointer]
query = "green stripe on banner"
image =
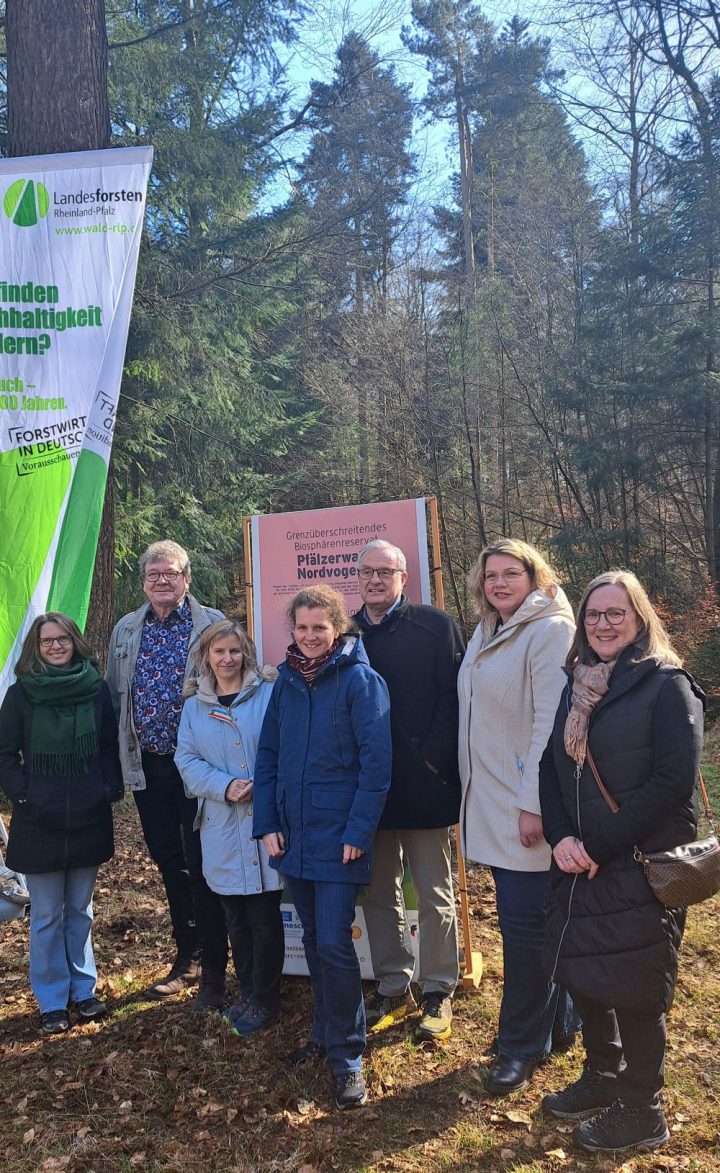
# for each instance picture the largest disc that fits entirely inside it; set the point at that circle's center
(75, 556)
(30, 504)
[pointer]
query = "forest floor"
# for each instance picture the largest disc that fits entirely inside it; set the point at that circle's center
(153, 1089)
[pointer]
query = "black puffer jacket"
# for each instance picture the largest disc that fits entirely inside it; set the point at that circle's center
(418, 651)
(609, 939)
(58, 822)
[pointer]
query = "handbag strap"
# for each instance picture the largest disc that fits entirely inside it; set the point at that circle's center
(601, 785)
(614, 806)
(706, 802)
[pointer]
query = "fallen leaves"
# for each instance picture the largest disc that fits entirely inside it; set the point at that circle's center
(154, 1089)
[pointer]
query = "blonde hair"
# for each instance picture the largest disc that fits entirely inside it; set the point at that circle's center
(653, 640)
(331, 601)
(201, 653)
(542, 575)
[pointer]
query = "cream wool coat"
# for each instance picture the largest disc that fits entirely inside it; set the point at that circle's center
(509, 686)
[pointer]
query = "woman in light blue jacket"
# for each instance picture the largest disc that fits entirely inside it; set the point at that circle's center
(217, 744)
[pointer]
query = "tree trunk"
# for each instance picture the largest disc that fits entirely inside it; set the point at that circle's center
(57, 76)
(58, 101)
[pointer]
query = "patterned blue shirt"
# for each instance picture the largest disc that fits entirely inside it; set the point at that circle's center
(159, 675)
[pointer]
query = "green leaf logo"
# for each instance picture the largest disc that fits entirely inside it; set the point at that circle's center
(26, 201)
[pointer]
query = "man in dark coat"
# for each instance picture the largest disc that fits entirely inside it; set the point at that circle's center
(417, 650)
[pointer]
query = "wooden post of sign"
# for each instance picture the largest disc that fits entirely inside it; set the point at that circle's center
(249, 599)
(472, 960)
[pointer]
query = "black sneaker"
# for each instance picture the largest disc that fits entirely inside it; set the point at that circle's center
(621, 1127)
(90, 1008)
(350, 1090)
(54, 1022)
(592, 1092)
(307, 1053)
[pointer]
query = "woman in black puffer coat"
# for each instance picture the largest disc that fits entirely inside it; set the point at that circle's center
(60, 768)
(610, 941)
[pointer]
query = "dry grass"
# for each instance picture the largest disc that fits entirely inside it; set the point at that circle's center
(151, 1089)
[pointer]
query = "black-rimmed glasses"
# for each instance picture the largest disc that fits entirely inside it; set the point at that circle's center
(614, 616)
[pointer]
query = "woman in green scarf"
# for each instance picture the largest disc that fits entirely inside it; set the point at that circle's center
(60, 768)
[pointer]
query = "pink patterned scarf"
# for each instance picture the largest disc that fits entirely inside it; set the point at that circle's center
(590, 683)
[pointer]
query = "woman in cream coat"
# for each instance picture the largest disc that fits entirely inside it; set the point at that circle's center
(510, 684)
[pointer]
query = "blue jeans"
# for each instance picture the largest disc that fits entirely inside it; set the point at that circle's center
(327, 911)
(62, 965)
(532, 1008)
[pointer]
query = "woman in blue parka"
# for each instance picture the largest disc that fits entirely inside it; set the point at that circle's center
(321, 777)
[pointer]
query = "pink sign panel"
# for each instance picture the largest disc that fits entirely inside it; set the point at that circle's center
(320, 546)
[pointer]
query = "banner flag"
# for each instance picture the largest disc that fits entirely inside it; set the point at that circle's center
(70, 228)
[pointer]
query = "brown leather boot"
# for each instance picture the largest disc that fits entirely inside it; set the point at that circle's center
(185, 971)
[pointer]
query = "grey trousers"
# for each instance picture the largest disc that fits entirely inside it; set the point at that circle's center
(427, 854)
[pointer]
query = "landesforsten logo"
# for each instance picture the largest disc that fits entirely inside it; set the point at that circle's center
(26, 201)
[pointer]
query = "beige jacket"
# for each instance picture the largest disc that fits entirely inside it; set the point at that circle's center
(509, 686)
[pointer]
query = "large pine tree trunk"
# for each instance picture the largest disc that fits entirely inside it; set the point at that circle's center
(58, 101)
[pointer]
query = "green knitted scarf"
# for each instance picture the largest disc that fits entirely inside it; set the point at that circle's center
(64, 730)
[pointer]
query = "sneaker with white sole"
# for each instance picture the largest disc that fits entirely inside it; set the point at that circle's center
(54, 1022)
(350, 1090)
(621, 1127)
(91, 1008)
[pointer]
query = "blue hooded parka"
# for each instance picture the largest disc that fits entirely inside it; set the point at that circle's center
(323, 766)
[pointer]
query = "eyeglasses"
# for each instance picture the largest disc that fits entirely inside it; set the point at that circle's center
(614, 616)
(156, 575)
(63, 640)
(366, 573)
(507, 576)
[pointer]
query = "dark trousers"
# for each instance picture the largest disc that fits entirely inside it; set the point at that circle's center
(257, 942)
(167, 818)
(327, 911)
(533, 1010)
(611, 1035)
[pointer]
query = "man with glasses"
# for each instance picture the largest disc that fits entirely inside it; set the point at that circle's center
(147, 666)
(417, 650)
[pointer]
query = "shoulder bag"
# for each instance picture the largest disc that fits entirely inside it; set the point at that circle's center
(685, 875)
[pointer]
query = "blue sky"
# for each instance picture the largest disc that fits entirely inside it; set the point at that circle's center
(312, 57)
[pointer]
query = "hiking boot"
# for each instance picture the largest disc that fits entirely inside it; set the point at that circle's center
(211, 995)
(307, 1053)
(592, 1092)
(436, 1020)
(254, 1017)
(350, 1090)
(382, 1011)
(184, 972)
(621, 1127)
(54, 1022)
(90, 1008)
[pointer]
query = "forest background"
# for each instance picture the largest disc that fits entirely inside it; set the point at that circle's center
(520, 318)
